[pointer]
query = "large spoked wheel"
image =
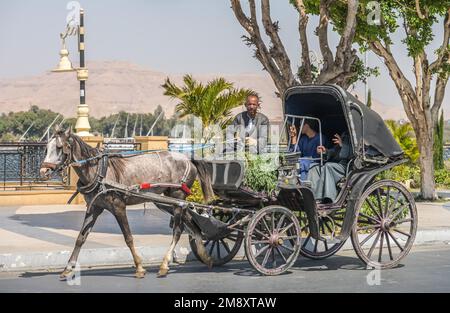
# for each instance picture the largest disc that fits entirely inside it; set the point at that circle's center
(386, 224)
(272, 241)
(329, 227)
(224, 249)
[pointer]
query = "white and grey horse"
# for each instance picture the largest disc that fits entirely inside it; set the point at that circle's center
(163, 167)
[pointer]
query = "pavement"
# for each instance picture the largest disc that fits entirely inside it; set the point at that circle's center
(42, 237)
(341, 273)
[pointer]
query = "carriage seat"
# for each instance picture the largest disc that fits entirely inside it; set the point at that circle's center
(226, 174)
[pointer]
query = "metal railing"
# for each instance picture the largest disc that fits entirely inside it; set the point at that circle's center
(20, 164)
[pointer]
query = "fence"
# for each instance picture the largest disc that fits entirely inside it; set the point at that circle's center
(20, 164)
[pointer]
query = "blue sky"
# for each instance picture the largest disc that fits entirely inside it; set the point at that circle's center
(176, 36)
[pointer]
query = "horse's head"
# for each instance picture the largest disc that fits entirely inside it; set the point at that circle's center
(58, 152)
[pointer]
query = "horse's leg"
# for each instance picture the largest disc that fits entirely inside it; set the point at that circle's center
(119, 212)
(178, 228)
(89, 221)
(201, 250)
(197, 235)
(196, 232)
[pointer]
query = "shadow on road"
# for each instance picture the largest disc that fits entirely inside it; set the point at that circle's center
(141, 224)
(238, 268)
(330, 264)
(333, 263)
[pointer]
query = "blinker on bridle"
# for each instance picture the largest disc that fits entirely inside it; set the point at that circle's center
(66, 151)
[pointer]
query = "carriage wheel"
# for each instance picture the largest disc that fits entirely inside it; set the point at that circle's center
(272, 241)
(386, 224)
(222, 250)
(329, 226)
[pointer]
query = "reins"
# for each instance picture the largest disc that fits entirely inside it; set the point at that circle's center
(129, 154)
(102, 168)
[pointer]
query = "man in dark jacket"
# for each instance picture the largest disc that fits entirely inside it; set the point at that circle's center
(250, 126)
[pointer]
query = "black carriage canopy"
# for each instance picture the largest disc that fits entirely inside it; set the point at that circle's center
(336, 110)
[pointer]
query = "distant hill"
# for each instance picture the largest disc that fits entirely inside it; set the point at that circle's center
(115, 85)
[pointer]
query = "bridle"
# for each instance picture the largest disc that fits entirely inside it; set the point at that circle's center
(69, 160)
(66, 152)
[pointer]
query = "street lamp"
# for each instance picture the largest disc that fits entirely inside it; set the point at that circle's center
(82, 126)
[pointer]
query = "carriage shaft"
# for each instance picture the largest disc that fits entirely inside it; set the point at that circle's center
(161, 199)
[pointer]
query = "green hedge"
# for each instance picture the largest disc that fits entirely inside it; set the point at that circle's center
(405, 172)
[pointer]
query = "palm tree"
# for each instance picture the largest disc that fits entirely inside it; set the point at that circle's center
(212, 103)
(404, 134)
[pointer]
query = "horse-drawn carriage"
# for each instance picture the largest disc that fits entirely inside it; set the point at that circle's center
(379, 215)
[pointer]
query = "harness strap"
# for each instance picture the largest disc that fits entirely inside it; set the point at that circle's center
(102, 168)
(184, 187)
(186, 171)
(73, 196)
(160, 166)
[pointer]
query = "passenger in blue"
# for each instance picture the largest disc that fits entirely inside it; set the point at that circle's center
(307, 145)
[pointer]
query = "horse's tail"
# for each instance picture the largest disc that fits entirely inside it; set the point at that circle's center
(205, 179)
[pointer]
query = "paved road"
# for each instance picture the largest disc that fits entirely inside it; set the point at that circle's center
(426, 269)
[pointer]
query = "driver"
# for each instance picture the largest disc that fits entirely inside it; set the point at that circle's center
(251, 127)
(324, 179)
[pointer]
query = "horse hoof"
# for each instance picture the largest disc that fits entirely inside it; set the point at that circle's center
(65, 275)
(210, 264)
(163, 272)
(140, 274)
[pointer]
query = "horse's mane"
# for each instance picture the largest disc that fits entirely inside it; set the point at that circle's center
(116, 164)
(86, 150)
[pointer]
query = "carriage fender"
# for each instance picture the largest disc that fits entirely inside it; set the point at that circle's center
(302, 198)
(310, 207)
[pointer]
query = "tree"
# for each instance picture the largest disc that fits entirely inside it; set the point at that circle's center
(354, 22)
(438, 157)
(9, 137)
(344, 68)
(369, 99)
(417, 19)
(13, 125)
(18, 122)
(212, 103)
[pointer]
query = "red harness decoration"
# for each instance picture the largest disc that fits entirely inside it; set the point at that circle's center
(144, 186)
(183, 186)
(186, 189)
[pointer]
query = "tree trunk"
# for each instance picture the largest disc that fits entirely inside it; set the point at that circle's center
(425, 144)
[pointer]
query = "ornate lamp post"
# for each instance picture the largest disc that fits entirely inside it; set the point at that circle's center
(82, 126)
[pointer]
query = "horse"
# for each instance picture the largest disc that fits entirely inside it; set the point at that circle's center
(67, 149)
